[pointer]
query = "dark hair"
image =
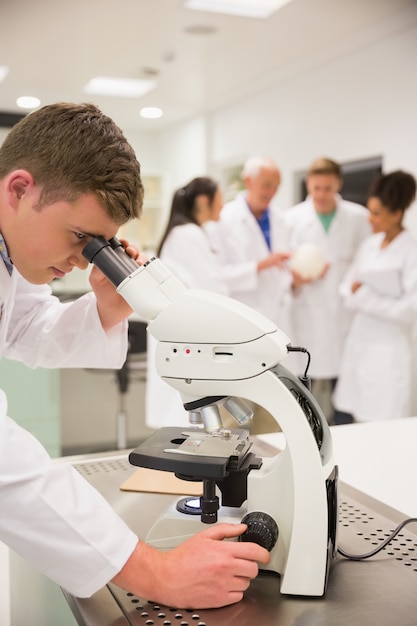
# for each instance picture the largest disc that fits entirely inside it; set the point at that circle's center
(323, 165)
(396, 191)
(74, 149)
(184, 204)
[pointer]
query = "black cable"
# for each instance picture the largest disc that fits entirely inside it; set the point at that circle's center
(299, 349)
(361, 557)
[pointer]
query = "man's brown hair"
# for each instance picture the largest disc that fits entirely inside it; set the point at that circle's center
(324, 165)
(74, 149)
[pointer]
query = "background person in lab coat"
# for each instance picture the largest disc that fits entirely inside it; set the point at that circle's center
(338, 227)
(253, 240)
(254, 244)
(68, 174)
(187, 249)
(380, 289)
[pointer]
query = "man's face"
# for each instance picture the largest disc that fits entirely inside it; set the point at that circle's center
(323, 189)
(47, 243)
(261, 189)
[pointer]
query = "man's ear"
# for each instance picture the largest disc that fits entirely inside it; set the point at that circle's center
(18, 183)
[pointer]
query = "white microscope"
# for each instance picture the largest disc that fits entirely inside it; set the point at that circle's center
(218, 352)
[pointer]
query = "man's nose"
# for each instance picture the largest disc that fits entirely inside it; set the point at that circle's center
(78, 260)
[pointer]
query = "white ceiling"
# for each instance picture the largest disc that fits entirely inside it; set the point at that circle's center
(53, 47)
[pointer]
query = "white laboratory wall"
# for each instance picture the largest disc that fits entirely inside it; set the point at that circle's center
(175, 156)
(353, 107)
(184, 150)
(183, 155)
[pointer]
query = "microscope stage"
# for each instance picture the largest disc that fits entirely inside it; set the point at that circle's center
(192, 452)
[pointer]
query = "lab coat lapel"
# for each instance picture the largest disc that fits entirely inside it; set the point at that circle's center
(315, 226)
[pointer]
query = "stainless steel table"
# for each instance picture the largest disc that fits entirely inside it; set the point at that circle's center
(380, 591)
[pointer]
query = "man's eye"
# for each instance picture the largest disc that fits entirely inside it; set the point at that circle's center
(80, 235)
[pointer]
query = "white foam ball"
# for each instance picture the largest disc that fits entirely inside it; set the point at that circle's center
(308, 261)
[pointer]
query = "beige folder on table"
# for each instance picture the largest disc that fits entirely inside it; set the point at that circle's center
(157, 481)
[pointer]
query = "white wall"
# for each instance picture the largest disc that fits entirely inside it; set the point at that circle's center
(350, 107)
(358, 106)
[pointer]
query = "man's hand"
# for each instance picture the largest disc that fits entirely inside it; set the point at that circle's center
(202, 572)
(275, 259)
(112, 308)
(355, 286)
(298, 280)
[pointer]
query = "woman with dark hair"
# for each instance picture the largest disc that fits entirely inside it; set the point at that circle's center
(381, 290)
(186, 246)
(190, 253)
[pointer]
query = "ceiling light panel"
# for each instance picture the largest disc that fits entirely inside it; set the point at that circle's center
(28, 102)
(119, 87)
(245, 8)
(151, 113)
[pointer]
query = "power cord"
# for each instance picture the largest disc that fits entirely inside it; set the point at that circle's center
(367, 555)
(305, 379)
(352, 557)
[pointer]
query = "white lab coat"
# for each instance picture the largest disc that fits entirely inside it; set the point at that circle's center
(192, 256)
(243, 246)
(51, 516)
(320, 322)
(375, 377)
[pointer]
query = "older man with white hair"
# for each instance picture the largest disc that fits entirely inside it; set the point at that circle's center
(253, 243)
(255, 248)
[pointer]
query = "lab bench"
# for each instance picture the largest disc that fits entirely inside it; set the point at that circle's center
(381, 590)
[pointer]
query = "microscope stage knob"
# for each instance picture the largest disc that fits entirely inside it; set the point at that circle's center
(261, 529)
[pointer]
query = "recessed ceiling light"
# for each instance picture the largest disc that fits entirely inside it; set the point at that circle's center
(151, 112)
(4, 70)
(120, 87)
(245, 8)
(28, 102)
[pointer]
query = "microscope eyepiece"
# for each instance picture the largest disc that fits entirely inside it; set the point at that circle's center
(110, 258)
(94, 246)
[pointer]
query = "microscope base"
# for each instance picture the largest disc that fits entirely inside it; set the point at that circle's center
(174, 527)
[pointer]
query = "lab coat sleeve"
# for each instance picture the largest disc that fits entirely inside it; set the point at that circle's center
(239, 275)
(54, 518)
(366, 300)
(189, 255)
(43, 332)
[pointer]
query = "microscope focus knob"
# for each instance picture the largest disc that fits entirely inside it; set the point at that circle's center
(261, 529)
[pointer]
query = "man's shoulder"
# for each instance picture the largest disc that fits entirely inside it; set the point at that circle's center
(294, 212)
(234, 208)
(353, 208)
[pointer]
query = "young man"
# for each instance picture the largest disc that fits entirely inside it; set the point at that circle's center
(338, 227)
(68, 174)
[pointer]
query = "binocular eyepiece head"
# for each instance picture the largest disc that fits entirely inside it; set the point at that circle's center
(110, 258)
